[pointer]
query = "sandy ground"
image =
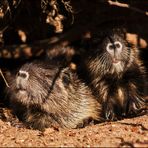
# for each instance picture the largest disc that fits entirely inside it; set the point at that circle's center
(125, 133)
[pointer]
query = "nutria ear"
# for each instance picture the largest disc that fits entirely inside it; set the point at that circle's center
(16, 3)
(13, 3)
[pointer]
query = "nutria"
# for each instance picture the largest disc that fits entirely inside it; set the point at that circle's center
(45, 95)
(115, 73)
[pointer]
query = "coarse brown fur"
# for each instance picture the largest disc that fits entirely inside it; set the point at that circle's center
(115, 74)
(45, 95)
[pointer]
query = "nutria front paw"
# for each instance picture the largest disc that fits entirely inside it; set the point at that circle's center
(136, 106)
(109, 112)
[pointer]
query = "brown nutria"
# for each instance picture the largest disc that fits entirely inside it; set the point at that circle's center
(45, 95)
(115, 74)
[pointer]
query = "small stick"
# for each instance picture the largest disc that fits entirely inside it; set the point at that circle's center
(116, 3)
(1, 73)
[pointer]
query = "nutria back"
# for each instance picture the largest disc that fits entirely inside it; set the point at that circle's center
(45, 95)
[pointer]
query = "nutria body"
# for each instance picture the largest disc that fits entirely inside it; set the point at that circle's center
(115, 74)
(45, 95)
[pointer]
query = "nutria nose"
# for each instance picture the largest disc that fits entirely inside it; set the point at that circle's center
(114, 48)
(23, 74)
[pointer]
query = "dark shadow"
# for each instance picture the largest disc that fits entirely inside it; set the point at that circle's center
(134, 125)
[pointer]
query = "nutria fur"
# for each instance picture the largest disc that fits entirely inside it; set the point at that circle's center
(45, 95)
(115, 74)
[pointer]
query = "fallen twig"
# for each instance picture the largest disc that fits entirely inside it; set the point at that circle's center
(116, 3)
(1, 73)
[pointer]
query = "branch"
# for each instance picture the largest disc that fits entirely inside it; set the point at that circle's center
(1, 73)
(116, 3)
